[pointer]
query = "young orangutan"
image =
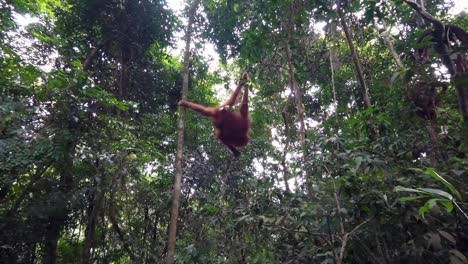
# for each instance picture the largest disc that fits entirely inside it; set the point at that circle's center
(231, 127)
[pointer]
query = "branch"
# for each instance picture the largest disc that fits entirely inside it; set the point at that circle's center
(297, 231)
(424, 14)
(461, 210)
(286, 147)
(26, 191)
(91, 55)
(359, 226)
(345, 239)
(113, 214)
(459, 33)
(443, 36)
(354, 55)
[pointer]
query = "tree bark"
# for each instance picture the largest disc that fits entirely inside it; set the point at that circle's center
(12, 211)
(388, 42)
(57, 221)
(51, 238)
(356, 60)
(297, 93)
(180, 142)
(114, 219)
(419, 19)
(286, 149)
(334, 65)
(292, 78)
(457, 67)
(93, 213)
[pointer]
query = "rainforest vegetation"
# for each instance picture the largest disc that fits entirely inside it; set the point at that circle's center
(358, 147)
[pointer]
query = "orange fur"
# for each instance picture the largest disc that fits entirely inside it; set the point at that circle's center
(231, 127)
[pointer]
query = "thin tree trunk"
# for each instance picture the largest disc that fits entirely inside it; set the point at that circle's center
(147, 223)
(51, 238)
(33, 253)
(462, 89)
(356, 60)
(419, 19)
(95, 208)
(292, 79)
(180, 142)
(57, 222)
(154, 236)
(334, 56)
(338, 258)
(297, 94)
(334, 65)
(332, 71)
(114, 219)
(388, 42)
(286, 149)
(92, 54)
(12, 211)
(434, 148)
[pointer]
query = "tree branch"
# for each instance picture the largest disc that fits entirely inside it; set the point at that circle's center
(345, 239)
(25, 192)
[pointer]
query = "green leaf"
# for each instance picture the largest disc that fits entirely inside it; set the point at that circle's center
(404, 189)
(447, 184)
(427, 207)
(412, 198)
(448, 204)
(418, 170)
(423, 210)
(211, 210)
(437, 192)
(121, 106)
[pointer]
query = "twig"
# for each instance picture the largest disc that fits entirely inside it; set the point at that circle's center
(459, 208)
(345, 239)
(297, 231)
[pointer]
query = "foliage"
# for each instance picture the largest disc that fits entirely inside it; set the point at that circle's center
(88, 131)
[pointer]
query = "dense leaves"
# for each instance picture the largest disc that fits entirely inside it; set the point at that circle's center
(344, 166)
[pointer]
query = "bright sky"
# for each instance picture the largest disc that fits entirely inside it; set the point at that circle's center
(209, 52)
(460, 5)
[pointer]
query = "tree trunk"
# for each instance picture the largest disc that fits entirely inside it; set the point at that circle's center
(419, 19)
(51, 238)
(114, 219)
(147, 224)
(286, 149)
(154, 238)
(292, 78)
(388, 42)
(356, 60)
(12, 211)
(57, 221)
(180, 142)
(460, 77)
(335, 65)
(32, 259)
(297, 94)
(93, 213)
(457, 67)
(462, 90)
